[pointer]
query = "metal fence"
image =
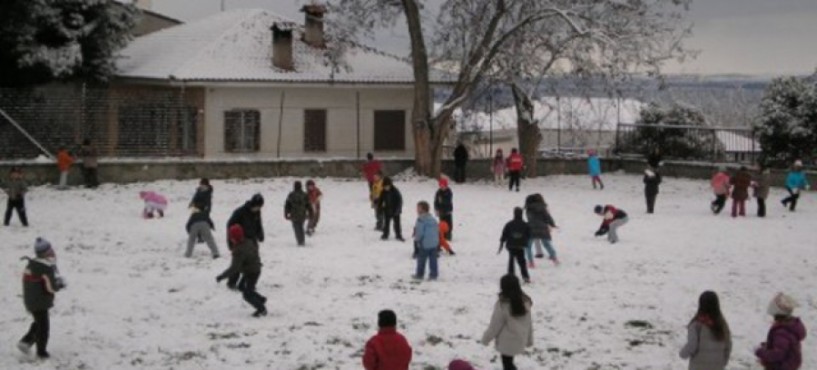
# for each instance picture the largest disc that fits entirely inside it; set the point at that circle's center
(694, 143)
(146, 122)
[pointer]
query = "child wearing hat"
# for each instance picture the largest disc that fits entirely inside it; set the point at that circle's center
(613, 219)
(41, 280)
(444, 205)
(16, 189)
(388, 349)
(782, 348)
(795, 182)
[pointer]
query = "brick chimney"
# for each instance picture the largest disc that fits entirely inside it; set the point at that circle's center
(313, 25)
(282, 45)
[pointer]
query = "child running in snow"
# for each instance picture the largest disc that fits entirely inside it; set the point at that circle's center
(154, 203)
(247, 263)
(783, 346)
(795, 182)
(594, 168)
(314, 194)
(515, 238)
(540, 222)
(613, 219)
(199, 227)
(16, 189)
(720, 186)
(296, 210)
(498, 167)
(41, 281)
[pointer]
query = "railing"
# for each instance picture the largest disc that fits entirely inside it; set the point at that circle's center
(693, 143)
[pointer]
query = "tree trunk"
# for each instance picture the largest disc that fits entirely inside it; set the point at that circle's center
(426, 156)
(528, 130)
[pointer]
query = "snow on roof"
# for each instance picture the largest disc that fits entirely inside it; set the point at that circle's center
(737, 143)
(237, 46)
(599, 114)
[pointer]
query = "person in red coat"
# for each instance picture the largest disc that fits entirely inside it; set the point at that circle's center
(388, 350)
(515, 165)
(371, 168)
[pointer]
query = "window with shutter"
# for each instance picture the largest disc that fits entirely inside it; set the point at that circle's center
(315, 130)
(389, 130)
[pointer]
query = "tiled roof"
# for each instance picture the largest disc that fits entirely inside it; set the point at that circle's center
(237, 46)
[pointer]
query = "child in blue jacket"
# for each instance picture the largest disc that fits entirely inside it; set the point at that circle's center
(795, 182)
(594, 167)
(427, 241)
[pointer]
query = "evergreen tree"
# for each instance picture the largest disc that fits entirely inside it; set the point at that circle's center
(682, 142)
(46, 40)
(787, 127)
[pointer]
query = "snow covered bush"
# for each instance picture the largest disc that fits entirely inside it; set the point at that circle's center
(678, 131)
(787, 126)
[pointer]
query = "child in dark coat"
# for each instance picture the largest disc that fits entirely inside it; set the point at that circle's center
(16, 189)
(782, 349)
(761, 185)
(652, 180)
(515, 238)
(740, 191)
(248, 217)
(203, 196)
(297, 210)
(391, 204)
(41, 281)
(540, 222)
(247, 263)
(444, 205)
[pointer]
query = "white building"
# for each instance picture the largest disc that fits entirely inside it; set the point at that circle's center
(260, 85)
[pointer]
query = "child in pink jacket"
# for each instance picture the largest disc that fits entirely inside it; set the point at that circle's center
(154, 203)
(720, 186)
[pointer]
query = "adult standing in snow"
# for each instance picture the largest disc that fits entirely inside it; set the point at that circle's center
(64, 163)
(511, 326)
(515, 238)
(203, 196)
(720, 186)
(782, 349)
(315, 196)
(444, 205)
(296, 210)
(248, 217)
(41, 281)
(594, 168)
(709, 342)
(90, 163)
(200, 227)
(740, 191)
(388, 350)
(460, 162)
(652, 181)
(246, 262)
(371, 168)
(795, 183)
(498, 167)
(613, 219)
(540, 222)
(515, 164)
(427, 240)
(761, 185)
(391, 204)
(16, 189)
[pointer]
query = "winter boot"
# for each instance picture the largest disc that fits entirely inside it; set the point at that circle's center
(24, 347)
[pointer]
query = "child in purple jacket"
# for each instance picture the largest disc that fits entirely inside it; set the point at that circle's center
(781, 350)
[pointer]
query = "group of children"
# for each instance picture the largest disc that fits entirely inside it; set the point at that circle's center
(739, 185)
(510, 167)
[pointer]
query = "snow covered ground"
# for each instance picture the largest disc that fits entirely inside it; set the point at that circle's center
(134, 302)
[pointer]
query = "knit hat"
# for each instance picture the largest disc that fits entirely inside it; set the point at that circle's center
(443, 182)
(386, 319)
(236, 234)
(460, 365)
(798, 163)
(41, 247)
(257, 200)
(598, 210)
(782, 305)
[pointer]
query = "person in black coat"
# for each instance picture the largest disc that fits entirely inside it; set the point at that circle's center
(203, 196)
(391, 203)
(444, 205)
(41, 281)
(460, 161)
(515, 238)
(652, 179)
(249, 217)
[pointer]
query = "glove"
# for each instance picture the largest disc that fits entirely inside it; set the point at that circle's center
(219, 279)
(601, 232)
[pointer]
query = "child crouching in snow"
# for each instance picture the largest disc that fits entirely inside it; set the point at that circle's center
(154, 203)
(199, 227)
(613, 219)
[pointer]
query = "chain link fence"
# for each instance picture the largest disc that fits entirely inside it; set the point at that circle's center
(692, 143)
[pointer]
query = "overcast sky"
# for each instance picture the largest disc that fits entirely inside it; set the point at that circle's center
(755, 37)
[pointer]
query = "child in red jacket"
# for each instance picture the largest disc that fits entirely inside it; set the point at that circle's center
(613, 219)
(515, 165)
(388, 350)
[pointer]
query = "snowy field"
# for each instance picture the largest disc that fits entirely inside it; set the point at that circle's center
(133, 301)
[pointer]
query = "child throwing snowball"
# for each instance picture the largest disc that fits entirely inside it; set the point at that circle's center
(613, 219)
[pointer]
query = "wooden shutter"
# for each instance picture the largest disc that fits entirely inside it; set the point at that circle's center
(389, 130)
(315, 130)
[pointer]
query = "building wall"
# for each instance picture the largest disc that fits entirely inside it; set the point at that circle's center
(341, 126)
